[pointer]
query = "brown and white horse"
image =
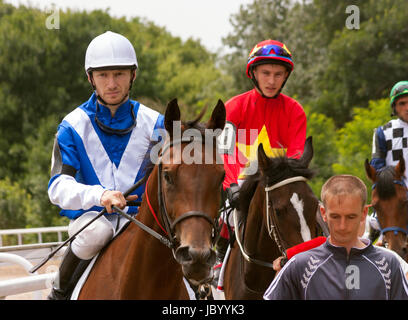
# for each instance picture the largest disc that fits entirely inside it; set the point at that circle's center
(277, 211)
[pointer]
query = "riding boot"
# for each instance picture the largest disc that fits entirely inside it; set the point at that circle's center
(69, 273)
(221, 250)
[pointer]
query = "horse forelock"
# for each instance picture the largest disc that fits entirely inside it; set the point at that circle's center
(185, 125)
(280, 168)
(385, 183)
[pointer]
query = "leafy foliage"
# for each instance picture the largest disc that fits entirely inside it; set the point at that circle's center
(342, 78)
(354, 140)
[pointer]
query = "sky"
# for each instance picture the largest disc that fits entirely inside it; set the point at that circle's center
(207, 20)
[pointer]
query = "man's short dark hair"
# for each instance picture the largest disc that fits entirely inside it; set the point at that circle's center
(344, 184)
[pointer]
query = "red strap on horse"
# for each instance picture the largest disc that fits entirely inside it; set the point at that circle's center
(151, 208)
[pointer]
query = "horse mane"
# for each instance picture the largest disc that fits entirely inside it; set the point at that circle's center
(385, 182)
(280, 168)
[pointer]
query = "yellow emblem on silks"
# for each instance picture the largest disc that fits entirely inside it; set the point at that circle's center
(251, 151)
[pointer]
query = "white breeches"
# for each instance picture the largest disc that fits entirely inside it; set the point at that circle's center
(94, 237)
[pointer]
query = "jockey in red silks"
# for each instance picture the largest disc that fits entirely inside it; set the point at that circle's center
(261, 115)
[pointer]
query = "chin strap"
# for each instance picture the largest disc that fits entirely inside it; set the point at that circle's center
(104, 127)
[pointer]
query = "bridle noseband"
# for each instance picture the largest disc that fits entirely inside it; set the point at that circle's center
(168, 225)
(272, 226)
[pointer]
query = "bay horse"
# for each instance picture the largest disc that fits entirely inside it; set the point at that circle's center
(181, 202)
(277, 210)
(390, 201)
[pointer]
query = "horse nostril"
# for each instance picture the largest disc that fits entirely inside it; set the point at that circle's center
(187, 254)
(205, 256)
(182, 254)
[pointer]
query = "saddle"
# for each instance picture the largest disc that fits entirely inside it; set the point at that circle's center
(84, 268)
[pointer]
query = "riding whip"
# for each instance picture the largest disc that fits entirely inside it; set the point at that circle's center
(101, 213)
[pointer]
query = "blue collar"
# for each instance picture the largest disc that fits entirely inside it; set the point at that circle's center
(103, 113)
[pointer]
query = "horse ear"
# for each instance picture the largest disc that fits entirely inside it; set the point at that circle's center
(218, 116)
(172, 114)
(263, 160)
(370, 171)
(307, 152)
(400, 168)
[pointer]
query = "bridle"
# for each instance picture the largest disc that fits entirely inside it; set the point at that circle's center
(167, 225)
(395, 229)
(271, 218)
(272, 226)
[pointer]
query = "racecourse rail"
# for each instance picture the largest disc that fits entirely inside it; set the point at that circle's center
(14, 254)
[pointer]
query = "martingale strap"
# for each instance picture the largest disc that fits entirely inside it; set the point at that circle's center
(151, 208)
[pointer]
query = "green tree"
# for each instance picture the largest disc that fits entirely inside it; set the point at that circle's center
(354, 140)
(336, 68)
(42, 78)
(323, 131)
(37, 168)
(15, 204)
(364, 64)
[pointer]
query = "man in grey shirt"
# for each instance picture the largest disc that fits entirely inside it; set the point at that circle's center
(345, 267)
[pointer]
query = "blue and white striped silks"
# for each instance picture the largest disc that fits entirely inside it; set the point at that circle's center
(101, 161)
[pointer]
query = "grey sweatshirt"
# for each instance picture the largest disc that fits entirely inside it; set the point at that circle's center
(329, 273)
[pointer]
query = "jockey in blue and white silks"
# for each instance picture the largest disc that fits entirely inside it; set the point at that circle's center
(101, 149)
(87, 161)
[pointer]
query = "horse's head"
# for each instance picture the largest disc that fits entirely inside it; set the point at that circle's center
(289, 205)
(389, 199)
(191, 173)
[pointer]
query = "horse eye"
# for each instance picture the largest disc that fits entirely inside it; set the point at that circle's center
(167, 177)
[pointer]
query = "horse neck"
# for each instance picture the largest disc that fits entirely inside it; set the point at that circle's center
(148, 248)
(256, 237)
(256, 240)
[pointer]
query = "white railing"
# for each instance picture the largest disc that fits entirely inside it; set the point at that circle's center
(33, 282)
(21, 254)
(38, 231)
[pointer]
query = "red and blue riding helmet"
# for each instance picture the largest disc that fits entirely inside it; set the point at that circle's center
(269, 51)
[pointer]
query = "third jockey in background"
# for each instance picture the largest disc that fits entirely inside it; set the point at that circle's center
(261, 115)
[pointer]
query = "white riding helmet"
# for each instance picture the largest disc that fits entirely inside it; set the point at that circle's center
(110, 49)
